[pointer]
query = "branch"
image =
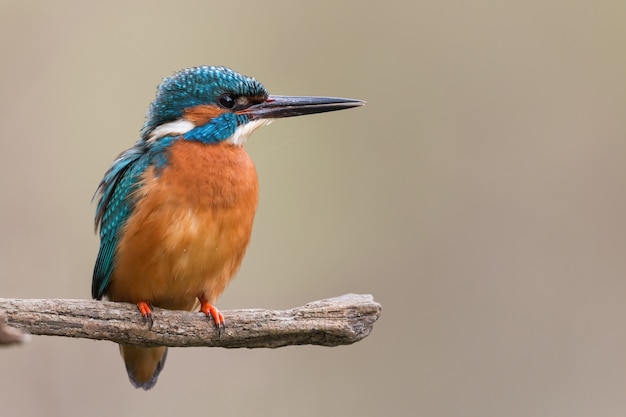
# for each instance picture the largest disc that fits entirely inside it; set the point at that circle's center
(336, 321)
(10, 335)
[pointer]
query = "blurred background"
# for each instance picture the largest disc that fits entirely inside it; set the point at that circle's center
(479, 196)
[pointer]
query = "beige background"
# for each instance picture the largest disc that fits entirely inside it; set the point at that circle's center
(480, 196)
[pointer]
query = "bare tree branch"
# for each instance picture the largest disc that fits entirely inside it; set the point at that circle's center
(10, 335)
(336, 321)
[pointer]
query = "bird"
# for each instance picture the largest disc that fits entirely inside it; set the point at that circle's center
(175, 211)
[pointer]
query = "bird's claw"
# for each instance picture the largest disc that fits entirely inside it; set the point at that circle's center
(146, 312)
(218, 318)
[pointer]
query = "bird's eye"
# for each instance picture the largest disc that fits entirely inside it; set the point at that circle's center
(227, 101)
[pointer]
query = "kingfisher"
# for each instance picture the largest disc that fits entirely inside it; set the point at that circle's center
(175, 211)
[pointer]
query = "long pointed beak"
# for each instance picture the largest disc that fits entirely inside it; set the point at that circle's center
(288, 106)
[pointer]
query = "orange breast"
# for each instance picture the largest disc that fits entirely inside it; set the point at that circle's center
(190, 227)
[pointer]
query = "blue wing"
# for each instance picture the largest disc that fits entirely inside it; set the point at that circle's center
(114, 207)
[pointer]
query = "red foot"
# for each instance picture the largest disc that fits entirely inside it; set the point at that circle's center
(210, 310)
(146, 311)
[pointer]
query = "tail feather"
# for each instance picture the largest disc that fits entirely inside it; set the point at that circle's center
(143, 364)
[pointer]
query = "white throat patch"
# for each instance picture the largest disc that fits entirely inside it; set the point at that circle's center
(243, 132)
(181, 126)
(176, 128)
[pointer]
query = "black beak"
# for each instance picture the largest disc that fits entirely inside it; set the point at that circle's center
(288, 106)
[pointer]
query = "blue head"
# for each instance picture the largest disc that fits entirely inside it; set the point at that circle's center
(192, 98)
(214, 104)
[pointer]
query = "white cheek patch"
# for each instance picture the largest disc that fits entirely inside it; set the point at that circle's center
(243, 132)
(175, 128)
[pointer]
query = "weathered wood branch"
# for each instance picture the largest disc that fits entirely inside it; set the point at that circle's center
(336, 321)
(10, 335)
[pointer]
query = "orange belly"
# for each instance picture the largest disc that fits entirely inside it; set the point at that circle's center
(190, 227)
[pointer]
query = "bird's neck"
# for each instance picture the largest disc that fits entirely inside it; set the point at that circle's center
(209, 132)
(213, 175)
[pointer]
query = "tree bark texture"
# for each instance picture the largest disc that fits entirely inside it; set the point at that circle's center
(336, 321)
